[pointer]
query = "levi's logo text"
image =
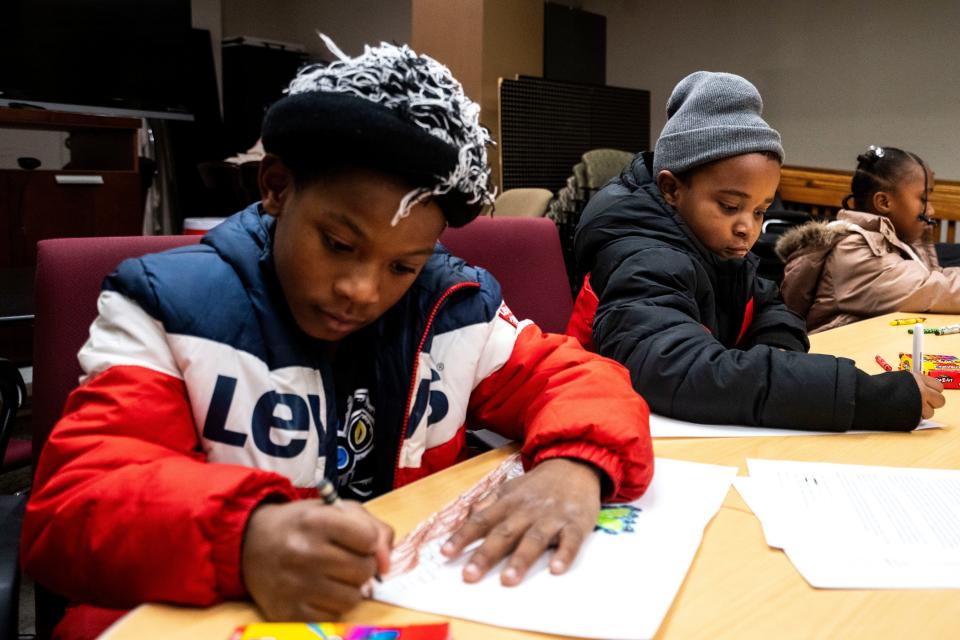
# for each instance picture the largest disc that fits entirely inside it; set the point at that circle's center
(303, 414)
(428, 396)
(507, 315)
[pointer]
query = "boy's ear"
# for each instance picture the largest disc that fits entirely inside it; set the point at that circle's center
(881, 202)
(276, 184)
(669, 186)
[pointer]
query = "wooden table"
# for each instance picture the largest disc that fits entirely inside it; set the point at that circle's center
(737, 586)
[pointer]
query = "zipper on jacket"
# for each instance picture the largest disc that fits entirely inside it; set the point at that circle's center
(416, 366)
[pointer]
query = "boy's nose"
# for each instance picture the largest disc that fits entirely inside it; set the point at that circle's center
(361, 288)
(750, 225)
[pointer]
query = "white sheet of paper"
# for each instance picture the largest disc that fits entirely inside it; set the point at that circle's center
(856, 526)
(621, 585)
(752, 493)
(663, 427)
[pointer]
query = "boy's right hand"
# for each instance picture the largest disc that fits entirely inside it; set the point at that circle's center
(307, 561)
(931, 394)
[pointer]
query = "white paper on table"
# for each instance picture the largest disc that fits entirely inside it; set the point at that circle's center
(753, 494)
(620, 586)
(664, 427)
(845, 569)
(857, 526)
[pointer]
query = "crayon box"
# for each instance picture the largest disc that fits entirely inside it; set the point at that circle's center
(340, 631)
(946, 369)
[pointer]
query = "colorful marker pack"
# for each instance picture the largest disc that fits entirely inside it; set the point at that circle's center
(946, 369)
(340, 631)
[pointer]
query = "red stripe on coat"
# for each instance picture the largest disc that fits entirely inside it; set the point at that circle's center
(580, 325)
(747, 321)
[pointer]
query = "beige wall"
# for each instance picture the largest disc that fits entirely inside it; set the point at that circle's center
(351, 24)
(835, 76)
(482, 41)
(452, 34)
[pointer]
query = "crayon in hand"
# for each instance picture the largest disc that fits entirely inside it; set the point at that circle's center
(328, 492)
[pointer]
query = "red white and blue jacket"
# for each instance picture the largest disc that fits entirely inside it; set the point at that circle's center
(201, 398)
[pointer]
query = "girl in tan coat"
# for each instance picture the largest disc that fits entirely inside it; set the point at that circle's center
(874, 259)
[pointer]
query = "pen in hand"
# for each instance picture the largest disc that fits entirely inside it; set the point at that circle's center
(328, 493)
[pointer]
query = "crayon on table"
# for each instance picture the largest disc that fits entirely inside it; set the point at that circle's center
(901, 321)
(943, 331)
(883, 363)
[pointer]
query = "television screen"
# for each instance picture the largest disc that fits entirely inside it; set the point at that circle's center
(110, 56)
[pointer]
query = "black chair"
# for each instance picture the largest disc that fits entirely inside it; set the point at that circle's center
(232, 187)
(12, 394)
(777, 221)
(948, 254)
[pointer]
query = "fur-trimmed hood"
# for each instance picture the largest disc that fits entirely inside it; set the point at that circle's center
(854, 246)
(812, 237)
(804, 251)
(820, 238)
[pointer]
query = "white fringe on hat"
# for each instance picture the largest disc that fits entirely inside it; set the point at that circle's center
(423, 92)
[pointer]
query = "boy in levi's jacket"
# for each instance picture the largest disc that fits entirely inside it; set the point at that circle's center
(321, 333)
(680, 303)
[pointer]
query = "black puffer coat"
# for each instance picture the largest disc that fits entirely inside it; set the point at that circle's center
(704, 338)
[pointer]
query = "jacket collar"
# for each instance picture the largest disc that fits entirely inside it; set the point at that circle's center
(867, 221)
(877, 230)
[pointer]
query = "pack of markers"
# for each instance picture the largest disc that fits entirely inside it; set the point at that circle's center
(340, 631)
(946, 369)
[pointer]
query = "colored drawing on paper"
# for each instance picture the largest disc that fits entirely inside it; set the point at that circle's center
(617, 518)
(423, 543)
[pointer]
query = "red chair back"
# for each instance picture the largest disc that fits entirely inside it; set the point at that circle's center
(524, 255)
(69, 274)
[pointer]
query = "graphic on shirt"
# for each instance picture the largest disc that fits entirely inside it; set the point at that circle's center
(354, 444)
(617, 518)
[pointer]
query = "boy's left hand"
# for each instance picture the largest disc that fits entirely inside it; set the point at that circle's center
(555, 504)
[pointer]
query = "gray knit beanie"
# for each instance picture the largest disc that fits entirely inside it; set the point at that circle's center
(712, 116)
